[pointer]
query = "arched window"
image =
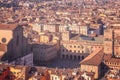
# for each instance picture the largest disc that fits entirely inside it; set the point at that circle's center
(74, 46)
(75, 51)
(66, 50)
(82, 51)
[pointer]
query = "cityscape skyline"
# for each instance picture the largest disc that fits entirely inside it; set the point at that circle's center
(59, 40)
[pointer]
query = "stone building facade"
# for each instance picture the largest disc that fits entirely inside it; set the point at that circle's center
(92, 63)
(108, 57)
(44, 53)
(11, 35)
(78, 46)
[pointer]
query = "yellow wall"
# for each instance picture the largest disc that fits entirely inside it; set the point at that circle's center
(44, 39)
(16, 72)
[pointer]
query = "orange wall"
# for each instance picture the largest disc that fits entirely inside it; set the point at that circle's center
(6, 34)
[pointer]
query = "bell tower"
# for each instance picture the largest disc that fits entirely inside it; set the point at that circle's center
(109, 41)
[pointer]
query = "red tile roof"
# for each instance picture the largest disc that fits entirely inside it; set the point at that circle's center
(109, 58)
(94, 58)
(7, 26)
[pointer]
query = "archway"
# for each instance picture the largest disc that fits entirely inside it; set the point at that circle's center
(63, 56)
(67, 56)
(78, 57)
(75, 57)
(71, 57)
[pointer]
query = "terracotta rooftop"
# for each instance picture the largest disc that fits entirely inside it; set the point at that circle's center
(94, 58)
(7, 26)
(117, 60)
(14, 66)
(109, 58)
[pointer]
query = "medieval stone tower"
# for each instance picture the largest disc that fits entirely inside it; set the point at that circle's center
(109, 41)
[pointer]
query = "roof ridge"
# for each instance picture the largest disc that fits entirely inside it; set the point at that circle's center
(92, 55)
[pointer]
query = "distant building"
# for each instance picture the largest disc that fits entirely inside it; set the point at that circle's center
(51, 27)
(77, 47)
(46, 38)
(37, 27)
(5, 74)
(90, 64)
(44, 53)
(84, 30)
(66, 35)
(107, 59)
(108, 42)
(10, 72)
(12, 42)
